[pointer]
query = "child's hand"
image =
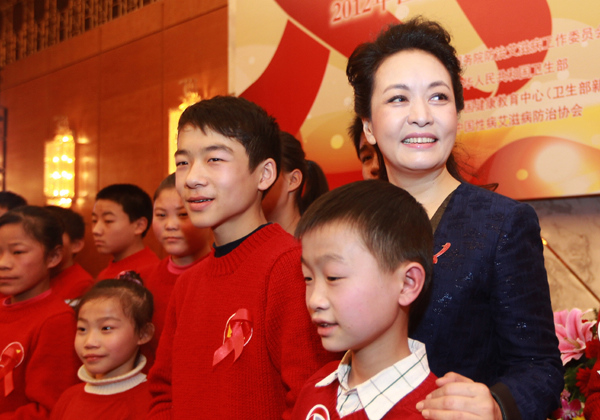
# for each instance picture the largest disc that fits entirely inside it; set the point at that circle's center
(458, 397)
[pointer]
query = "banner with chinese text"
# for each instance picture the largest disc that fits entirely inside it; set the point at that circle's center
(531, 121)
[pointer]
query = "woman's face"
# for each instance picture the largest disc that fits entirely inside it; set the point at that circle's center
(413, 114)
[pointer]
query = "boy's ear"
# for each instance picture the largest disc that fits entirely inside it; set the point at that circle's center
(146, 333)
(77, 245)
(54, 257)
(413, 277)
(268, 174)
(294, 180)
(140, 225)
(368, 130)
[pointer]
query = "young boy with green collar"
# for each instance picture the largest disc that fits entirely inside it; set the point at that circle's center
(237, 341)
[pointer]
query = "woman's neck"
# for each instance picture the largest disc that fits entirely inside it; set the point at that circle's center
(430, 190)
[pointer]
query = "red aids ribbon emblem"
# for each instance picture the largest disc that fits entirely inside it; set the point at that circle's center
(318, 412)
(238, 332)
(11, 357)
(445, 248)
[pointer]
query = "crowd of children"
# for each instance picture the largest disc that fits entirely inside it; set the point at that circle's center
(241, 320)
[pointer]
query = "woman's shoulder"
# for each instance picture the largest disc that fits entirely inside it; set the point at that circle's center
(480, 198)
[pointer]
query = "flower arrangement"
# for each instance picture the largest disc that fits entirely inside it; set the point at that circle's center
(579, 347)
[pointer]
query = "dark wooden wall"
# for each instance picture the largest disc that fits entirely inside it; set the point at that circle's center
(115, 84)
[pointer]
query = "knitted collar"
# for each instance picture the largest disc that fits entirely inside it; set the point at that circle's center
(116, 385)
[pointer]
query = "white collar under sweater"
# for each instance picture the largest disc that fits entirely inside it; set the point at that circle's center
(114, 385)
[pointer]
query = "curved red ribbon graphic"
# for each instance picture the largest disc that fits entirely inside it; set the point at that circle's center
(11, 357)
(237, 333)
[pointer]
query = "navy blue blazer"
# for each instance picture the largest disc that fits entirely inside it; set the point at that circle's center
(489, 316)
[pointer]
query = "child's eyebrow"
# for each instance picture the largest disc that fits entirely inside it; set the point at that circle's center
(324, 258)
(216, 147)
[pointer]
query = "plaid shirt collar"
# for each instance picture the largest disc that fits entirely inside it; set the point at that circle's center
(383, 391)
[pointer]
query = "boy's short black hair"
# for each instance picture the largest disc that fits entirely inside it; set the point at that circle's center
(238, 119)
(393, 226)
(10, 200)
(136, 202)
(71, 220)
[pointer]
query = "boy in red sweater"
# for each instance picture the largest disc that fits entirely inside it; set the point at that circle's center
(69, 280)
(366, 258)
(237, 341)
(121, 218)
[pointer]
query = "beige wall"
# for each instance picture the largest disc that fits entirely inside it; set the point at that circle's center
(115, 84)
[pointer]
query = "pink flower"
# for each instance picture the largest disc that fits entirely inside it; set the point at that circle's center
(572, 332)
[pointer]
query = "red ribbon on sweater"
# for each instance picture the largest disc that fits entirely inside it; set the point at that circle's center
(11, 357)
(238, 332)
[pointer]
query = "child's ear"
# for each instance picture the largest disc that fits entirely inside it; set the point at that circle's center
(294, 180)
(412, 277)
(268, 174)
(368, 130)
(140, 225)
(77, 245)
(146, 333)
(54, 257)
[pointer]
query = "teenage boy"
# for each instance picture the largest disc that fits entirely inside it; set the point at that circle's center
(69, 279)
(237, 341)
(121, 217)
(370, 157)
(367, 258)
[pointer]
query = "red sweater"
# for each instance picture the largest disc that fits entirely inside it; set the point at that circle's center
(71, 283)
(312, 397)
(45, 327)
(264, 276)
(142, 262)
(76, 404)
(161, 282)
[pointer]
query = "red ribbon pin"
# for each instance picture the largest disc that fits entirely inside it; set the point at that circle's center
(238, 332)
(11, 357)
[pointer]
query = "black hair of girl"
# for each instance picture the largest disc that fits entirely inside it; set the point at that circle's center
(415, 34)
(136, 301)
(37, 222)
(314, 183)
(166, 184)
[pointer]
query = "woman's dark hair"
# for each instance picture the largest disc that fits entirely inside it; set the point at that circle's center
(414, 34)
(37, 222)
(314, 183)
(136, 301)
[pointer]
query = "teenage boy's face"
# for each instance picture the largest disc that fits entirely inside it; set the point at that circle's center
(216, 185)
(352, 302)
(112, 230)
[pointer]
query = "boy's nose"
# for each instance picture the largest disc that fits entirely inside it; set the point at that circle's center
(195, 176)
(5, 262)
(316, 299)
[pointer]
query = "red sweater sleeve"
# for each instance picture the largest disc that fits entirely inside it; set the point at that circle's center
(292, 340)
(159, 378)
(52, 368)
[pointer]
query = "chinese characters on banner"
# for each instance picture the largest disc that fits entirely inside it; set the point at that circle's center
(531, 79)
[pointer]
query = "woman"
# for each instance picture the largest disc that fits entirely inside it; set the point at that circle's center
(488, 326)
(300, 182)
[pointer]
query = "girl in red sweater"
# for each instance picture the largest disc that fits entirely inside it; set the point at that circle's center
(113, 321)
(185, 244)
(37, 361)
